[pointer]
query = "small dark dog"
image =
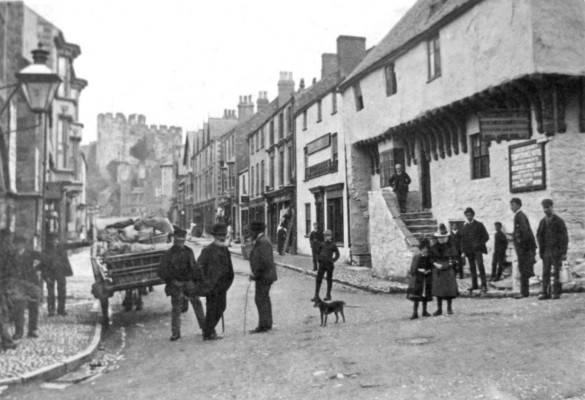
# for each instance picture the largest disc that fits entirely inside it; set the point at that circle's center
(328, 308)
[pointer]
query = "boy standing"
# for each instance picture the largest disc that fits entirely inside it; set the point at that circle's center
(499, 257)
(328, 254)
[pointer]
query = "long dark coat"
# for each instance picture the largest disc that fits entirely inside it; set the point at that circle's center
(420, 285)
(524, 243)
(444, 278)
(552, 237)
(474, 236)
(216, 262)
(262, 261)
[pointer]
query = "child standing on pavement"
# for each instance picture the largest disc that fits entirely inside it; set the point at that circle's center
(499, 257)
(328, 254)
(420, 285)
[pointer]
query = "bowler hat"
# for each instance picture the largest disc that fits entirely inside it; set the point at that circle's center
(442, 231)
(469, 210)
(219, 230)
(547, 203)
(327, 233)
(178, 232)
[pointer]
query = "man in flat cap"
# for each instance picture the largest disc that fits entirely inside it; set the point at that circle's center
(180, 272)
(263, 273)
(553, 243)
(525, 246)
(216, 261)
(474, 236)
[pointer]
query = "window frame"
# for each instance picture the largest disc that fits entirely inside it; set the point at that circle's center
(319, 111)
(390, 76)
(479, 157)
(434, 57)
(358, 96)
(307, 219)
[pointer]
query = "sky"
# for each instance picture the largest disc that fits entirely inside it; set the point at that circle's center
(180, 62)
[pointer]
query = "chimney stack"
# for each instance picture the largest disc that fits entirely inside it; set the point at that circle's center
(286, 87)
(245, 108)
(351, 50)
(328, 64)
(262, 101)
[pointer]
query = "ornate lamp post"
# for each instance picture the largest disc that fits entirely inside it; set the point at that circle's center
(39, 85)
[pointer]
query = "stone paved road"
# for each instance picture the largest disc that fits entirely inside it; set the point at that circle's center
(489, 349)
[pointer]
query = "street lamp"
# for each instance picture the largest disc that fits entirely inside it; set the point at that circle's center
(39, 85)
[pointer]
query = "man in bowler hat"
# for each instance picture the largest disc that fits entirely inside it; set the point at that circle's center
(180, 272)
(525, 246)
(474, 236)
(216, 261)
(553, 242)
(263, 273)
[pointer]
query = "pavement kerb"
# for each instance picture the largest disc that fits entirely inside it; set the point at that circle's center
(56, 370)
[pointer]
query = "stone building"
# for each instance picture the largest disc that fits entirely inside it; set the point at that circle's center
(272, 162)
(321, 194)
(481, 101)
(207, 171)
(128, 156)
(39, 170)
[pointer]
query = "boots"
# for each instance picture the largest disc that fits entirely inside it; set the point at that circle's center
(415, 310)
(449, 309)
(439, 308)
(424, 310)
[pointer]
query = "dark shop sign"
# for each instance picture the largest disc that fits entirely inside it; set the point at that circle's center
(527, 168)
(504, 124)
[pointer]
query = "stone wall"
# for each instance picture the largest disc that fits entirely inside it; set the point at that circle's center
(391, 253)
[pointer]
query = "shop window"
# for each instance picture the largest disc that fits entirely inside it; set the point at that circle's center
(480, 158)
(335, 218)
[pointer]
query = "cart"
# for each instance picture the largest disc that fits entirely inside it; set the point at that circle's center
(134, 271)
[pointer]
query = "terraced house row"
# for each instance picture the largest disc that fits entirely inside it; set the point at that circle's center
(479, 100)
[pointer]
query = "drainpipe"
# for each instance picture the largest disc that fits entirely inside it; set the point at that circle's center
(347, 201)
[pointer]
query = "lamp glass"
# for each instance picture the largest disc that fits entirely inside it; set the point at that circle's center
(39, 86)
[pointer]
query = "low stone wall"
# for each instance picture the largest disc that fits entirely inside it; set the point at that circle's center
(391, 244)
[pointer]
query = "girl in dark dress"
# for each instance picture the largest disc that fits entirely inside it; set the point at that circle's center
(443, 255)
(420, 286)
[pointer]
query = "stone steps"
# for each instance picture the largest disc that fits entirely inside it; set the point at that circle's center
(417, 215)
(420, 224)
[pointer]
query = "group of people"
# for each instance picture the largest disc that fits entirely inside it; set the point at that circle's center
(22, 271)
(211, 275)
(434, 271)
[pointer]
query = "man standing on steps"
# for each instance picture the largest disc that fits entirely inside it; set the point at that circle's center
(399, 183)
(525, 246)
(474, 236)
(315, 239)
(553, 242)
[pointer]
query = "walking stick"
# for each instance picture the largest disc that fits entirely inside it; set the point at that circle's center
(246, 306)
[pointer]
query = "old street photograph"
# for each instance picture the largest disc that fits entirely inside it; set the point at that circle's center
(292, 200)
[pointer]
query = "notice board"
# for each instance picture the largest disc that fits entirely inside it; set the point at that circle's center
(527, 167)
(504, 124)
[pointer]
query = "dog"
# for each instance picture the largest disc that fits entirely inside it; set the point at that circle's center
(328, 308)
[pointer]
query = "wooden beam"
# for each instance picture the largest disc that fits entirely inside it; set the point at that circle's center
(560, 92)
(445, 129)
(527, 88)
(545, 92)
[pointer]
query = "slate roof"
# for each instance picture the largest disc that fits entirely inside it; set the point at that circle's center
(316, 91)
(250, 126)
(422, 17)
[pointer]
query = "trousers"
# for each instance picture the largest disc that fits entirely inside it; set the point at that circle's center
(263, 304)
(177, 292)
(18, 309)
(216, 304)
(476, 263)
(61, 282)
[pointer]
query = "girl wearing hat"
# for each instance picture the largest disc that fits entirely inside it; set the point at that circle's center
(443, 255)
(420, 286)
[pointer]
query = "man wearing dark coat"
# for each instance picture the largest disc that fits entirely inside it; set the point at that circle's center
(27, 288)
(499, 255)
(525, 246)
(399, 183)
(474, 236)
(55, 269)
(455, 238)
(281, 239)
(181, 273)
(263, 273)
(216, 261)
(5, 275)
(553, 242)
(315, 239)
